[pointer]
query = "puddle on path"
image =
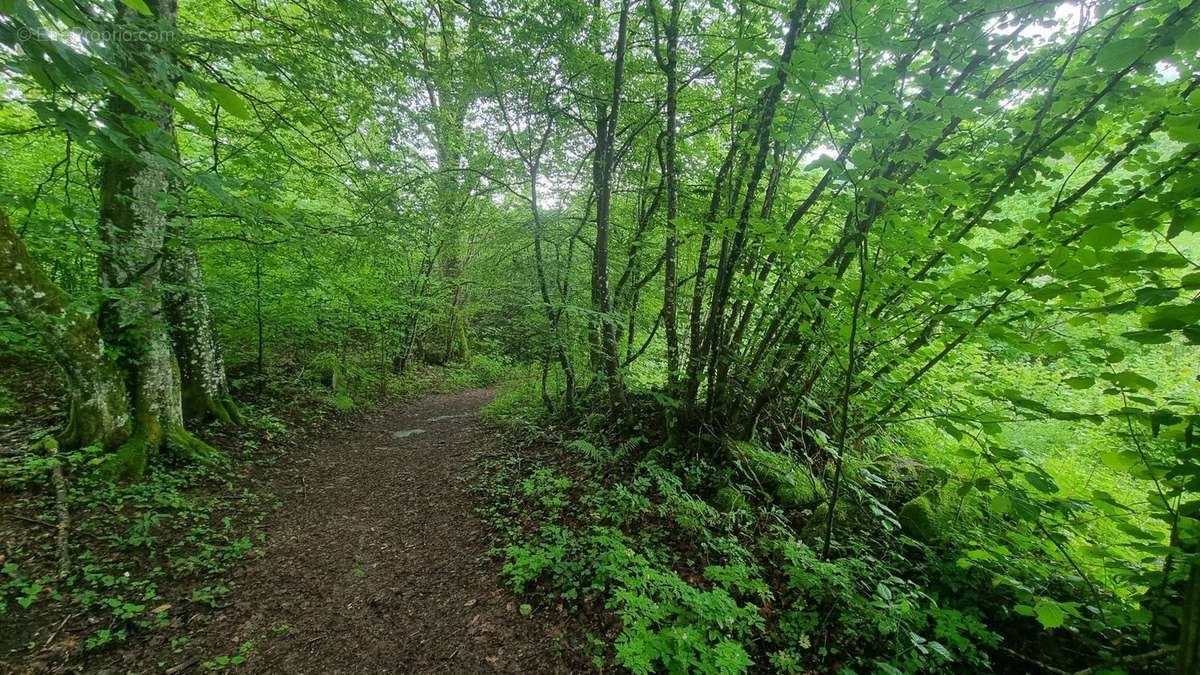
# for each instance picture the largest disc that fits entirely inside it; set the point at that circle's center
(397, 435)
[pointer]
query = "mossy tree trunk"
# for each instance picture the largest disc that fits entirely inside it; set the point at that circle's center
(135, 197)
(204, 389)
(446, 57)
(99, 413)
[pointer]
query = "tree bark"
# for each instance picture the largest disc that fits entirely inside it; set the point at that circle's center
(602, 169)
(670, 276)
(1189, 626)
(449, 97)
(204, 388)
(133, 225)
(95, 385)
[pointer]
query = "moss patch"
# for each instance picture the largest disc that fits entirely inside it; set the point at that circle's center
(186, 446)
(790, 482)
(342, 402)
(128, 461)
(917, 519)
(728, 500)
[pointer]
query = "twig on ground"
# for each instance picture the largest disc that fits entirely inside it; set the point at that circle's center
(58, 630)
(15, 516)
(64, 511)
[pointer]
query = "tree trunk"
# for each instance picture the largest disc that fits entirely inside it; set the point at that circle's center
(133, 228)
(1189, 626)
(602, 169)
(204, 389)
(132, 317)
(99, 414)
(670, 281)
(449, 98)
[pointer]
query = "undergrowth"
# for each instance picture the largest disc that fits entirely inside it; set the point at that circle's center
(143, 556)
(680, 562)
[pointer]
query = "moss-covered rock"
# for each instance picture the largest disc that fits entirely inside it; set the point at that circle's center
(814, 526)
(790, 482)
(918, 519)
(799, 495)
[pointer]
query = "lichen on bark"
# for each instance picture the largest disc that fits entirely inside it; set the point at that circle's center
(125, 385)
(99, 413)
(204, 388)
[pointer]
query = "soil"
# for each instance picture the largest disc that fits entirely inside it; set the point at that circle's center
(376, 562)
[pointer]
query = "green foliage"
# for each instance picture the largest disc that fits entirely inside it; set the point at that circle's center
(481, 371)
(224, 662)
(729, 499)
(585, 542)
(129, 540)
(517, 408)
(17, 589)
(922, 273)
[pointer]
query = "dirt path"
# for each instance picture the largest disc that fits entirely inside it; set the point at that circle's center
(375, 562)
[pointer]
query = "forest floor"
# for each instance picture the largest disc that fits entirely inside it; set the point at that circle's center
(377, 562)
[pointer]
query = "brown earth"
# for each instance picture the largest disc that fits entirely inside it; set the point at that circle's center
(376, 562)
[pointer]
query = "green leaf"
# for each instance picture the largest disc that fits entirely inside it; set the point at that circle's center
(1130, 380)
(1183, 220)
(1081, 382)
(1102, 237)
(941, 650)
(229, 100)
(1118, 461)
(138, 6)
(1148, 337)
(1050, 614)
(1120, 53)
(202, 125)
(1041, 482)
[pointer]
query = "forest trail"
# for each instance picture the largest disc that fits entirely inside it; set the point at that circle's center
(376, 561)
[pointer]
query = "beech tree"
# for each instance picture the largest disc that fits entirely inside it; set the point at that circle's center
(147, 353)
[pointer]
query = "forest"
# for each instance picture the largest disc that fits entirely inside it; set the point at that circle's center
(651, 336)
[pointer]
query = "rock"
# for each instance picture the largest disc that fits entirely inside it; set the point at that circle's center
(799, 495)
(789, 481)
(917, 519)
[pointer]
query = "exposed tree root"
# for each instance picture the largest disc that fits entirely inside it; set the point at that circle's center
(233, 411)
(129, 460)
(186, 446)
(80, 434)
(221, 407)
